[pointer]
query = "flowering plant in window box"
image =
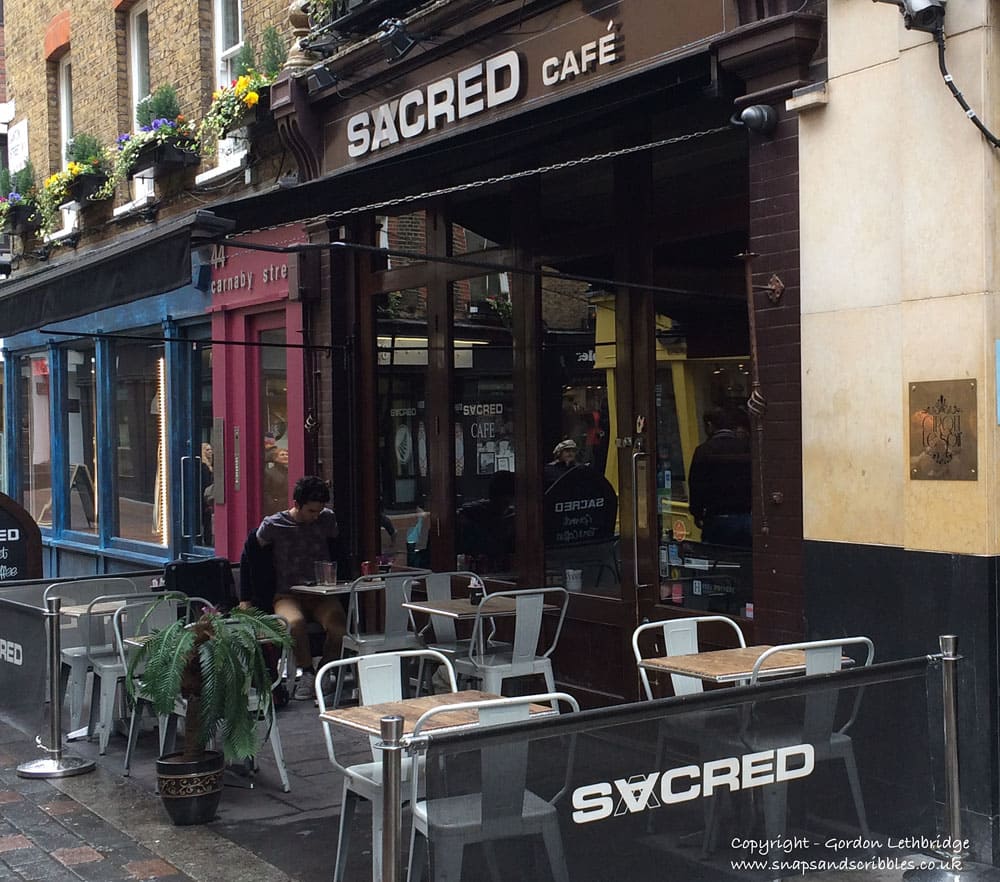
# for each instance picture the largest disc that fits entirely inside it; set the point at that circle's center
(166, 140)
(19, 211)
(83, 180)
(244, 101)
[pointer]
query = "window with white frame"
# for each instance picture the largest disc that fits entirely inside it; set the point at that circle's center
(138, 43)
(65, 81)
(228, 38)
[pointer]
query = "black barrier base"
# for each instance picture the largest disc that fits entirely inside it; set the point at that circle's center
(967, 873)
(64, 767)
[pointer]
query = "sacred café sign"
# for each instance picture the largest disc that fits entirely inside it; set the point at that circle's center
(557, 53)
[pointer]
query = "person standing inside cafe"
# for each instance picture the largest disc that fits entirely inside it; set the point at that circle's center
(719, 482)
(564, 461)
(295, 539)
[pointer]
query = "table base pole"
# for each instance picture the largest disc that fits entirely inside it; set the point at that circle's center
(969, 872)
(64, 767)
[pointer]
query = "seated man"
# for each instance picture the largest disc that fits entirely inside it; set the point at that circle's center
(296, 539)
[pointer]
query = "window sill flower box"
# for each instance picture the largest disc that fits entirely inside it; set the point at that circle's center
(164, 158)
(23, 219)
(84, 187)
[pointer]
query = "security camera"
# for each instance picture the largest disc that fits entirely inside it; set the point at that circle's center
(920, 15)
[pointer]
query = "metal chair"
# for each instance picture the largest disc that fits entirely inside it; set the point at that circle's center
(398, 632)
(380, 679)
(494, 663)
(110, 669)
(139, 617)
(270, 719)
(504, 808)
(815, 726)
(680, 637)
(76, 635)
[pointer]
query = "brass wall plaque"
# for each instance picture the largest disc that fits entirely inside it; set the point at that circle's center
(943, 431)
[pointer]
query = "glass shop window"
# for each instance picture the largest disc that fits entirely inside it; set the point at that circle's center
(35, 443)
(81, 417)
(141, 429)
(401, 457)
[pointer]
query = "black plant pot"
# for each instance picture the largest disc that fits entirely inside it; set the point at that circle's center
(86, 185)
(164, 158)
(191, 790)
(23, 220)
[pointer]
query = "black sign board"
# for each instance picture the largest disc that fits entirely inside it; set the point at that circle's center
(20, 543)
(581, 506)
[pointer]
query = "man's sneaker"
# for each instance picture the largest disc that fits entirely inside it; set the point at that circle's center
(305, 689)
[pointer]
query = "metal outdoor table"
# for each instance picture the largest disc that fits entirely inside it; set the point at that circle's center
(337, 588)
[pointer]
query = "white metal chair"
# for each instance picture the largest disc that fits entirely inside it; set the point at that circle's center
(109, 669)
(398, 632)
(520, 658)
(679, 637)
(270, 719)
(819, 722)
(77, 633)
(504, 808)
(380, 679)
(141, 616)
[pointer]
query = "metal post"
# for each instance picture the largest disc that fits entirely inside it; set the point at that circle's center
(392, 797)
(55, 765)
(954, 867)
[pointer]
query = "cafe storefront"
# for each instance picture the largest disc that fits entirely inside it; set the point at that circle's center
(525, 231)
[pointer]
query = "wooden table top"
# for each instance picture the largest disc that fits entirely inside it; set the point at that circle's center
(367, 719)
(729, 665)
(105, 608)
(460, 608)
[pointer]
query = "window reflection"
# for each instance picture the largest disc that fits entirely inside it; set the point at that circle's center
(81, 406)
(203, 448)
(141, 421)
(402, 461)
(35, 456)
(274, 409)
(580, 503)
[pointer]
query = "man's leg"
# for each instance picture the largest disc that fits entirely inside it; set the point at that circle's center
(329, 612)
(289, 608)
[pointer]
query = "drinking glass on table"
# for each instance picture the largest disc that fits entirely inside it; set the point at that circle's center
(326, 572)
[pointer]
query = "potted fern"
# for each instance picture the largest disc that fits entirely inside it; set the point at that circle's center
(212, 664)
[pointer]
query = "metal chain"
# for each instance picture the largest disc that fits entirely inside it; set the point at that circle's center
(503, 179)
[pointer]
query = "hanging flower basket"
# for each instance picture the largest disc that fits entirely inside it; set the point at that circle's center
(24, 219)
(164, 158)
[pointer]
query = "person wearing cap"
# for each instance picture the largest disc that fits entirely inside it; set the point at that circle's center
(565, 461)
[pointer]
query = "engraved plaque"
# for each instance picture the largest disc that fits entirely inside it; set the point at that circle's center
(943, 431)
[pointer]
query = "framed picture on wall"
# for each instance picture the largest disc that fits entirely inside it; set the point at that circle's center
(487, 462)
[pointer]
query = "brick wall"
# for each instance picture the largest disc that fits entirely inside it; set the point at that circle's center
(774, 237)
(181, 53)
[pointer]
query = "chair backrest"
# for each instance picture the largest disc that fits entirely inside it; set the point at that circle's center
(822, 657)
(145, 613)
(379, 680)
(439, 587)
(86, 630)
(680, 637)
(504, 762)
(530, 604)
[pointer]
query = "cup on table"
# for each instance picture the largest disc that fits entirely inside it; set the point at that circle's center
(326, 572)
(574, 580)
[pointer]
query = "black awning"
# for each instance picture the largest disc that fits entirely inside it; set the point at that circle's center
(150, 261)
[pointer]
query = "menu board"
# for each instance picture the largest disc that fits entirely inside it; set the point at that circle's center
(20, 543)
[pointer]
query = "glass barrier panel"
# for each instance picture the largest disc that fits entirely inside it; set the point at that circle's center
(830, 772)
